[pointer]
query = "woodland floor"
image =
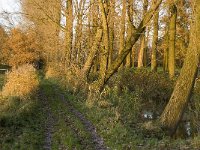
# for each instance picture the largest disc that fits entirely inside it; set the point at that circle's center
(53, 120)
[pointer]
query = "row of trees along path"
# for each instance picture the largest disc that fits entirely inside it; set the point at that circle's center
(101, 40)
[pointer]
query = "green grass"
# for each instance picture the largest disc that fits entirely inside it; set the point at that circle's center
(117, 134)
(2, 79)
(21, 125)
(21, 122)
(69, 131)
(120, 126)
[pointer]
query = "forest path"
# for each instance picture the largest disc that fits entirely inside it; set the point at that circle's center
(65, 126)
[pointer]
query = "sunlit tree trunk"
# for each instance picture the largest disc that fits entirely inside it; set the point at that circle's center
(141, 52)
(142, 40)
(122, 27)
(130, 57)
(92, 54)
(129, 45)
(174, 110)
(155, 40)
(94, 11)
(145, 61)
(79, 32)
(172, 38)
(105, 48)
(165, 59)
(166, 52)
(68, 31)
(111, 30)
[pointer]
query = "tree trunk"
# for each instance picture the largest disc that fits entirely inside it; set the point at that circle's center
(166, 51)
(141, 51)
(91, 56)
(155, 41)
(94, 24)
(165, 59)
(129, 45)
(122, 27)
(129, 58)
(111, 30)
(79, 32)
(172, 38)
(145, 61)
(142, 38)
(68, 31)
(174, 110)
(105, 48)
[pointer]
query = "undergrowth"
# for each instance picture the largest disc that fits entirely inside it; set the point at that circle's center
(118, 111)
(21, 114)
(21, 82)
(21, 124)
(117, 114)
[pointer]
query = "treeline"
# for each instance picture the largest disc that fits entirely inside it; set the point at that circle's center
(98, 36)
(69, 28)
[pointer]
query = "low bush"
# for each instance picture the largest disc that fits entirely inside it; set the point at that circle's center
(128, 104)
(196, 142)
(151, 85)
(71, 79)
(56, 71)
(21, 82)
(194, 108)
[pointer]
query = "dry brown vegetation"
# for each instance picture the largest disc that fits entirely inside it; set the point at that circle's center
(21, 82)
(21, 48)
(69, 78)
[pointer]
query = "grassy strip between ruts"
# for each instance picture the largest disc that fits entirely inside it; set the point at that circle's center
(69, 132)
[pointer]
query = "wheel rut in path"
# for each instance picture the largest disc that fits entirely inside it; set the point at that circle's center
(49, 122)
(90, 128)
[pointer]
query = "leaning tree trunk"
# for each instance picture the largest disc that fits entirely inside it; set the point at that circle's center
(128, 46)
(93, 52)
(174, 110)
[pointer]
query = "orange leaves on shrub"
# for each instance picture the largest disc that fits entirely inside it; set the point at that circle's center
(21, 48)
(21, 82)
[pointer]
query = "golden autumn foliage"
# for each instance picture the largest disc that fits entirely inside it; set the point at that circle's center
(21, 48)
(3, 37)
(21, 82)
